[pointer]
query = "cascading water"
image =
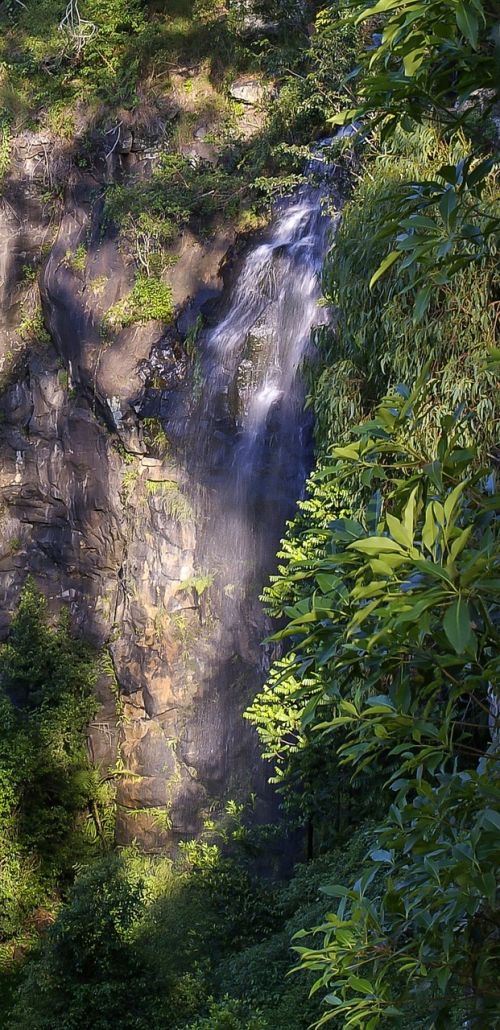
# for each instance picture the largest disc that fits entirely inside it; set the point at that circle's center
(245, 443)
(251, 446)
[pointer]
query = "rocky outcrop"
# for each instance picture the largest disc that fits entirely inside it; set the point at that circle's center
(88, 508)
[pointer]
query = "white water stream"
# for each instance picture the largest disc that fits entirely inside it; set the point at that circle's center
(252, 431)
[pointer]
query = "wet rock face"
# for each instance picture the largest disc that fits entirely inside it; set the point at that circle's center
(147, 487)
(102, 523)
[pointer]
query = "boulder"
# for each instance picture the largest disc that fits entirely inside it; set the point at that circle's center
(248, 91)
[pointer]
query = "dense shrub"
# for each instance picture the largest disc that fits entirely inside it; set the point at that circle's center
(47, 795)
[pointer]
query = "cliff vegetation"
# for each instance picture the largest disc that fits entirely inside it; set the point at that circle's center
(380, 715)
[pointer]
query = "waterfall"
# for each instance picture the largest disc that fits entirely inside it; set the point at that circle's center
(244, 444)
(249, 443)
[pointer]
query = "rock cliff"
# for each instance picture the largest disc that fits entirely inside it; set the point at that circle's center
(91, 507)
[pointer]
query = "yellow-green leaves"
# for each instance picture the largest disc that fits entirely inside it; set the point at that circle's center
(387, 263)
(399, 531)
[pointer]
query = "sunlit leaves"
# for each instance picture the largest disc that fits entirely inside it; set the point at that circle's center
(434, 62)
(411, 648)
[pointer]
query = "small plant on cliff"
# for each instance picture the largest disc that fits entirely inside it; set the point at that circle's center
(155, 436)
(77, 260)
(174, 502)
(130, 476)
(32, 327)
(149, 299)
(5, 147)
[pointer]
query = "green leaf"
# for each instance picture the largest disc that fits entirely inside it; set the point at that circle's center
(460, 542)
(359, 984)
(399, 532)
(351, 452)
(376, 545)
(422, 301)
(468, 23)
(457, 625)
(384, 265)
(490, 818)
(452, 499)
(430, 531)
(336, 890)
(344, 117)
(413, 61)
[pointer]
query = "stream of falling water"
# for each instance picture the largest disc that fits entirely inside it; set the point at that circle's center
(246, 446)
(251, 438)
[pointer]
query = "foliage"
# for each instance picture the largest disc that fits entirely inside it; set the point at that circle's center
(150, 215)
(149, 299)
(32, 327)
(173, 501)
(113, 940)
(401, 623)
(377, 342)
(228, 1015)
(46, 67)
(77, 260)
(155, 436)
(5, 147)
(435, 62)
(89, 970)
(47, 798)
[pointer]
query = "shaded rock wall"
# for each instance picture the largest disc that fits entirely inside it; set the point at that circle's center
(94, 514)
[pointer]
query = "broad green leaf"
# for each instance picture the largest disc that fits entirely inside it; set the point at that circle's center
(359, 984)
(399, 532)
(382, 568)
(351, 452)
(460, 542)
(376, 545)
(457, 625)
(433, 569)
(380, 855)
(362, 614)
(422, 301)
(344, 117)
(336, 890)
(468, 23)
(452, 500)
(430, 531)
(490, 818)
(413, 61)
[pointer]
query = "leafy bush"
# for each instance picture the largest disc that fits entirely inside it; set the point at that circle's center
(46, 797)
(89, 970)
(398, 634)
(149, 299)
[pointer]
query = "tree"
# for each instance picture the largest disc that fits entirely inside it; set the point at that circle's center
(402, 621)
(433, 63)
(47, 794)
